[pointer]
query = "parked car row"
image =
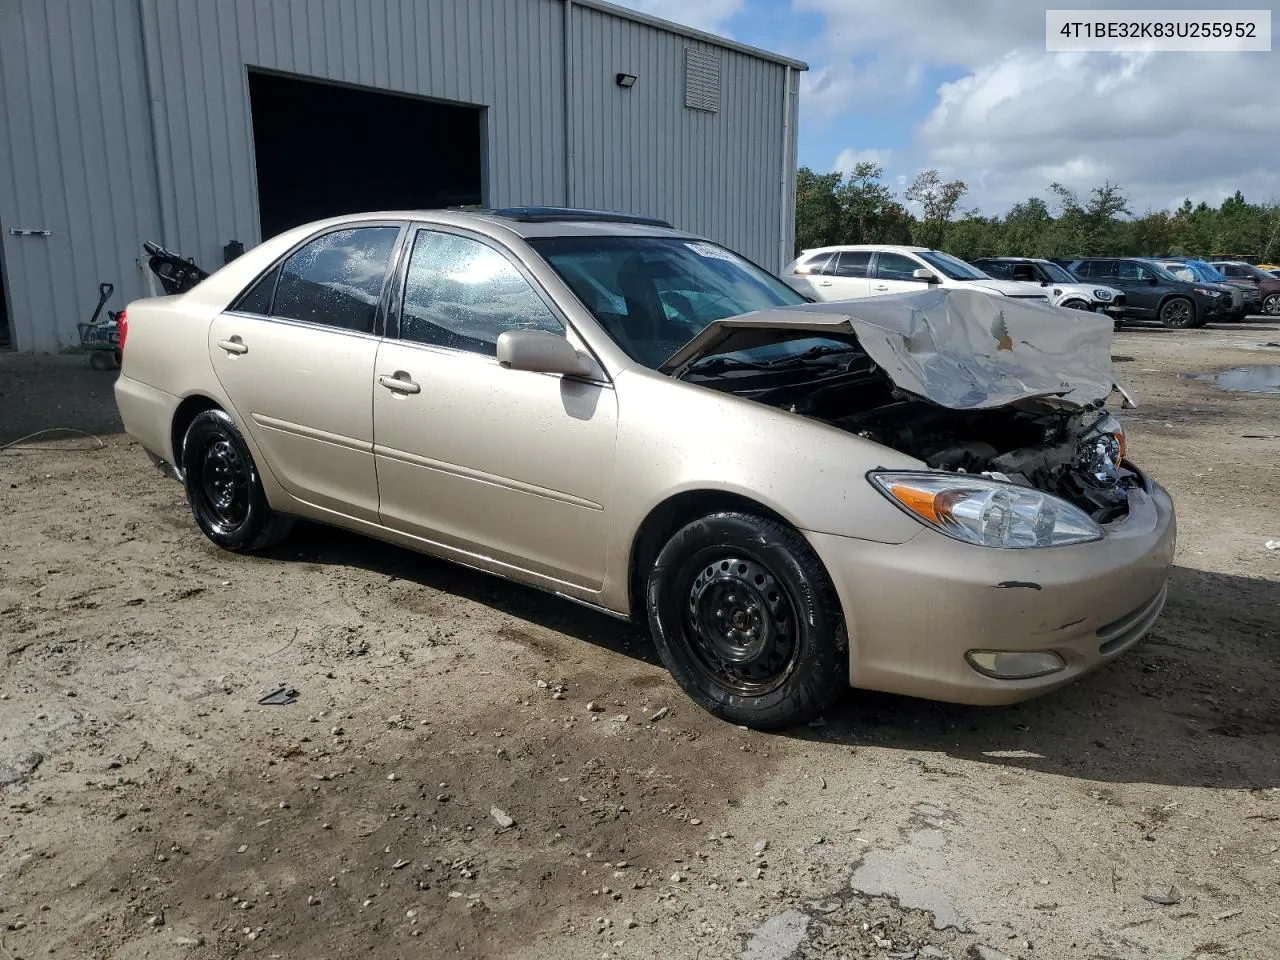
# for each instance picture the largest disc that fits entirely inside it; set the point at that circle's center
(1179, 292)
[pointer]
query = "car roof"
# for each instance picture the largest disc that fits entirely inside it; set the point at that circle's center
(526, 222)
(867, 248)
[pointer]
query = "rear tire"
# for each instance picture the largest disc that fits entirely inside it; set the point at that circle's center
(223, 487)
(1178, 313)
(1271, 305)
(747, 621)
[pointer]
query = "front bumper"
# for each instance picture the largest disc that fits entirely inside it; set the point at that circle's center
(914, 609)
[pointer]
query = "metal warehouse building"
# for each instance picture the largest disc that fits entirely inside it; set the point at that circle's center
(203, 123)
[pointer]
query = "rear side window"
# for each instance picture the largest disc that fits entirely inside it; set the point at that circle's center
(463, 294)
(813, 264)
(258, 297)
(852, 263)
(336, 280)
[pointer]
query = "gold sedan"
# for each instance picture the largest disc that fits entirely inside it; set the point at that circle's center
(920, 493)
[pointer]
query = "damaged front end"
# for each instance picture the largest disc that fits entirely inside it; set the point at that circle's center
(965, 382)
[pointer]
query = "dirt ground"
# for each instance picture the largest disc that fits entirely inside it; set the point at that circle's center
(440, 787)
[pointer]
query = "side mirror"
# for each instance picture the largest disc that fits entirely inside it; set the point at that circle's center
(540, 351)
(920, 273)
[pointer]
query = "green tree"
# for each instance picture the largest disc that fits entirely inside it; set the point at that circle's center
(937, 199)
(818, 215)
(869, 212)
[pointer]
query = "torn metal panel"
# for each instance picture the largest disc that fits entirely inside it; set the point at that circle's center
(957, 348)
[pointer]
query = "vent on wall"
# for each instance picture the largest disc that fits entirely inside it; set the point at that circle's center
(701, 80)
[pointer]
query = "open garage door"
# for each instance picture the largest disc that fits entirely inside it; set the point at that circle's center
(323, 149)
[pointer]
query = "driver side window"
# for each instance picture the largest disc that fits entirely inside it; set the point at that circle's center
(895, 266)
(463, 294)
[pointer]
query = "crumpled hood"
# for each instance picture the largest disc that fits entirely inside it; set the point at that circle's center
(958, 348)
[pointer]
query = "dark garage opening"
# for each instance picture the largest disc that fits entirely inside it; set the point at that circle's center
(324, 150)
(6, 336)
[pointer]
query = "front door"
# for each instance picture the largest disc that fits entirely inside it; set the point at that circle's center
(502, 464)
(296, 355)
(1142, 290)
(893, 274)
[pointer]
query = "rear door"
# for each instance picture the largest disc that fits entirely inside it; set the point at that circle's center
(805, 274)
(892, 273)
(845, 276)
(295, 355)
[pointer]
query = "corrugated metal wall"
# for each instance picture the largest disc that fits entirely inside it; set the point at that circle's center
(75, 159)
(718, 174)
(88, 157)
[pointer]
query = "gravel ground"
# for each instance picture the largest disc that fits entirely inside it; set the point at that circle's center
(443, 787)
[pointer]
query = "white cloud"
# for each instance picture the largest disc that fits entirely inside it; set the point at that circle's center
(1164, 126)
(709, 15)
(850, 158)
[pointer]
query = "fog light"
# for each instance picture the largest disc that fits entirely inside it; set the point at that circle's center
(1015, 664)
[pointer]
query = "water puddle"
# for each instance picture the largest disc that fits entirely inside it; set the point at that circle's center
(1256, 378)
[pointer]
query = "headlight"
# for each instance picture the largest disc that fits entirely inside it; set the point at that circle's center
(986, 512)
(1212, 294)
(1103, 295)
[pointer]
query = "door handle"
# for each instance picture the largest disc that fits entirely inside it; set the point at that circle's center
(233, 346)
(824, 283)
(880, 287)
(400, 383)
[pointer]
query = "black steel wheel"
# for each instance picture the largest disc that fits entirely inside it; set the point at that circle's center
(1178, 313)
(223, 488)
(1271, 305)
(746, 619)
(741, 625)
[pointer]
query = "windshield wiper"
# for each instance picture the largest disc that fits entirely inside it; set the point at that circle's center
(814, 353)
(720, 362)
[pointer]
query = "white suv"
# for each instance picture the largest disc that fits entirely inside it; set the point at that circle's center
(870, 270)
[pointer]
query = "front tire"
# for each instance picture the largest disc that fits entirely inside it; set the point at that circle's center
(1178, 313)
(1077, 305)
(223, 488)
(747, 621)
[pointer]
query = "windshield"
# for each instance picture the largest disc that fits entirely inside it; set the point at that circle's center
(1192, 271)
(1056, 273)
(1209, 272)
(1252, 271)
(1178, 270)
(950, 266)
(653, 295)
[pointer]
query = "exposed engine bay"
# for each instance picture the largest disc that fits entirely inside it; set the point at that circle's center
(1076, 454)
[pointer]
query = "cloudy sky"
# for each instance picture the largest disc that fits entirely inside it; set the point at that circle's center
(967, 87)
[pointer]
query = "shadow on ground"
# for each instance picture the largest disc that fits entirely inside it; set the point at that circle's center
(55, 392)
(1195, 704)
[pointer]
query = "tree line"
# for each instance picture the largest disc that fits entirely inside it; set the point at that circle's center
(856, 207)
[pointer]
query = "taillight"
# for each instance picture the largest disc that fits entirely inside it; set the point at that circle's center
(123, 321)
